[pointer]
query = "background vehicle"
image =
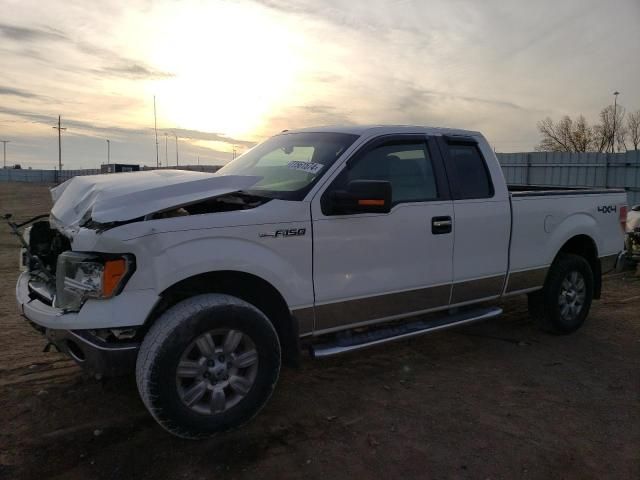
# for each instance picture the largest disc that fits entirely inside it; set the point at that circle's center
(632, 237)
(332, 238)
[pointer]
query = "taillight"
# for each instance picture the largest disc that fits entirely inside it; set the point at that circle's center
(623, 217)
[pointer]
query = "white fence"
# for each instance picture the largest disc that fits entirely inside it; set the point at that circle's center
(41, 176)
(604, 170)
(55, 176)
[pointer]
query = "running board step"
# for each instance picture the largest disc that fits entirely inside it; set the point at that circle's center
(356, 341)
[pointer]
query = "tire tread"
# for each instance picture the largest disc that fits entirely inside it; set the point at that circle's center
(542, 304)
(162, 329)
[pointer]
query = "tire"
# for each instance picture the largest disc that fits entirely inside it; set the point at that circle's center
(559, 307)
(216, 389)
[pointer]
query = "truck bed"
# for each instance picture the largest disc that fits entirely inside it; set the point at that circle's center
(543, 218)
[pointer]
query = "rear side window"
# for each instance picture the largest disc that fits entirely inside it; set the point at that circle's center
(469, 172)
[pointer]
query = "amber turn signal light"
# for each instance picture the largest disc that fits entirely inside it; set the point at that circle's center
(114, 271)
(371, 203)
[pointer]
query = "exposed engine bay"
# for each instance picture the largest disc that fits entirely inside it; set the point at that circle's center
(224, 203)
(45, 244)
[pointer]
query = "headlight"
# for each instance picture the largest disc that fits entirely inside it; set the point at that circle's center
(80, 276)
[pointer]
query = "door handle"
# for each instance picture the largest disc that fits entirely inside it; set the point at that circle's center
(441, 225)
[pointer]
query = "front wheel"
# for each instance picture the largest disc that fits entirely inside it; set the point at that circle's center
(563, 304)
(207, 365)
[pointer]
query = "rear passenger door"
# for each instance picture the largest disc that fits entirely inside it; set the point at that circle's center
(482, 220)
(370, 267)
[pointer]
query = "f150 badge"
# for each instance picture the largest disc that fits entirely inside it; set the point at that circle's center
(291, 232)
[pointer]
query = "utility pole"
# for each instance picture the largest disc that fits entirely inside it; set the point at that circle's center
(108, 151)
(234, 152)
(60, 128)
(615, 107)
(166, 150)
(4, 148)
(176, 135)
(155, 128)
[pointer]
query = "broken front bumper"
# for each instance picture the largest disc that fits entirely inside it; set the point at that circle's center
(93, 354)
(88, 350)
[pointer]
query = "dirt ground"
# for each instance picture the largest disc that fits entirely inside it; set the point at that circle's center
(493, 400)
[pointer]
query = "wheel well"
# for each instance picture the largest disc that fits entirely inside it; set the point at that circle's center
(247, 287)
(584, 246)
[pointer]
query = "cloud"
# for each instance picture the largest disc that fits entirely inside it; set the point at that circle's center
(122, 131)
(30, 34)
(135, 71)
(115, 65)
(209, 136)
(337, 15)
(411, 98)
(16, 92)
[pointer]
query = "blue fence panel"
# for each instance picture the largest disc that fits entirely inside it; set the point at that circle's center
(563, 169)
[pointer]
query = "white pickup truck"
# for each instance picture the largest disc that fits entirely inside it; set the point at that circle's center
(332, 239)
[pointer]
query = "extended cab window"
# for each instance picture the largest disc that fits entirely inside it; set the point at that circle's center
(469, 172)
(406, 166)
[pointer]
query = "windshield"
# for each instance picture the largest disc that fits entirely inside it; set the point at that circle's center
(289, 164)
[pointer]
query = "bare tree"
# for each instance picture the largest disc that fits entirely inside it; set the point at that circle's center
(633, 129)
(581, 135)
(608, 135)
(565, 136)
(621, 138)
(604, 131)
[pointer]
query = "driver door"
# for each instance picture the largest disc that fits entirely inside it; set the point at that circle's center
(373, 267)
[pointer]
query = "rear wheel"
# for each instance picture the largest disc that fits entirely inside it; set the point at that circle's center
(207, 365)
(563, 304)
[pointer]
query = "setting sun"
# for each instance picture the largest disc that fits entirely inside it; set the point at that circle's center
(231, 66)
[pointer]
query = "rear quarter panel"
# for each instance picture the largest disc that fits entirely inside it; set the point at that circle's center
(543, 224)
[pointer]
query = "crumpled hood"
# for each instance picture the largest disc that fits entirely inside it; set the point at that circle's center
(118, 197)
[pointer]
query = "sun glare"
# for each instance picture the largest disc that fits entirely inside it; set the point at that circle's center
(232, 65)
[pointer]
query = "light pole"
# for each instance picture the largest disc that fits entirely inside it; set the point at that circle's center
(155, 128)
(4, 148)
(166, 150)
(176, 135)
(615, 114)
(108, 151)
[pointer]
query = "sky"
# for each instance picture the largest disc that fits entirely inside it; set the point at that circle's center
(228, 74)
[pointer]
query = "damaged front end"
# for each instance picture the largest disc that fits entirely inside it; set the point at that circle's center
(72, 285)
(54, 282)
(41, 247)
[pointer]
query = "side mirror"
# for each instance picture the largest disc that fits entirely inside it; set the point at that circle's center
(361, 196)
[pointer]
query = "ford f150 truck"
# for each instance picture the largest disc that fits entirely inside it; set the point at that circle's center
(331, 239)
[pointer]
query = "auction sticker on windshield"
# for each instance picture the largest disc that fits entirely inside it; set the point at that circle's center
(309, 167)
